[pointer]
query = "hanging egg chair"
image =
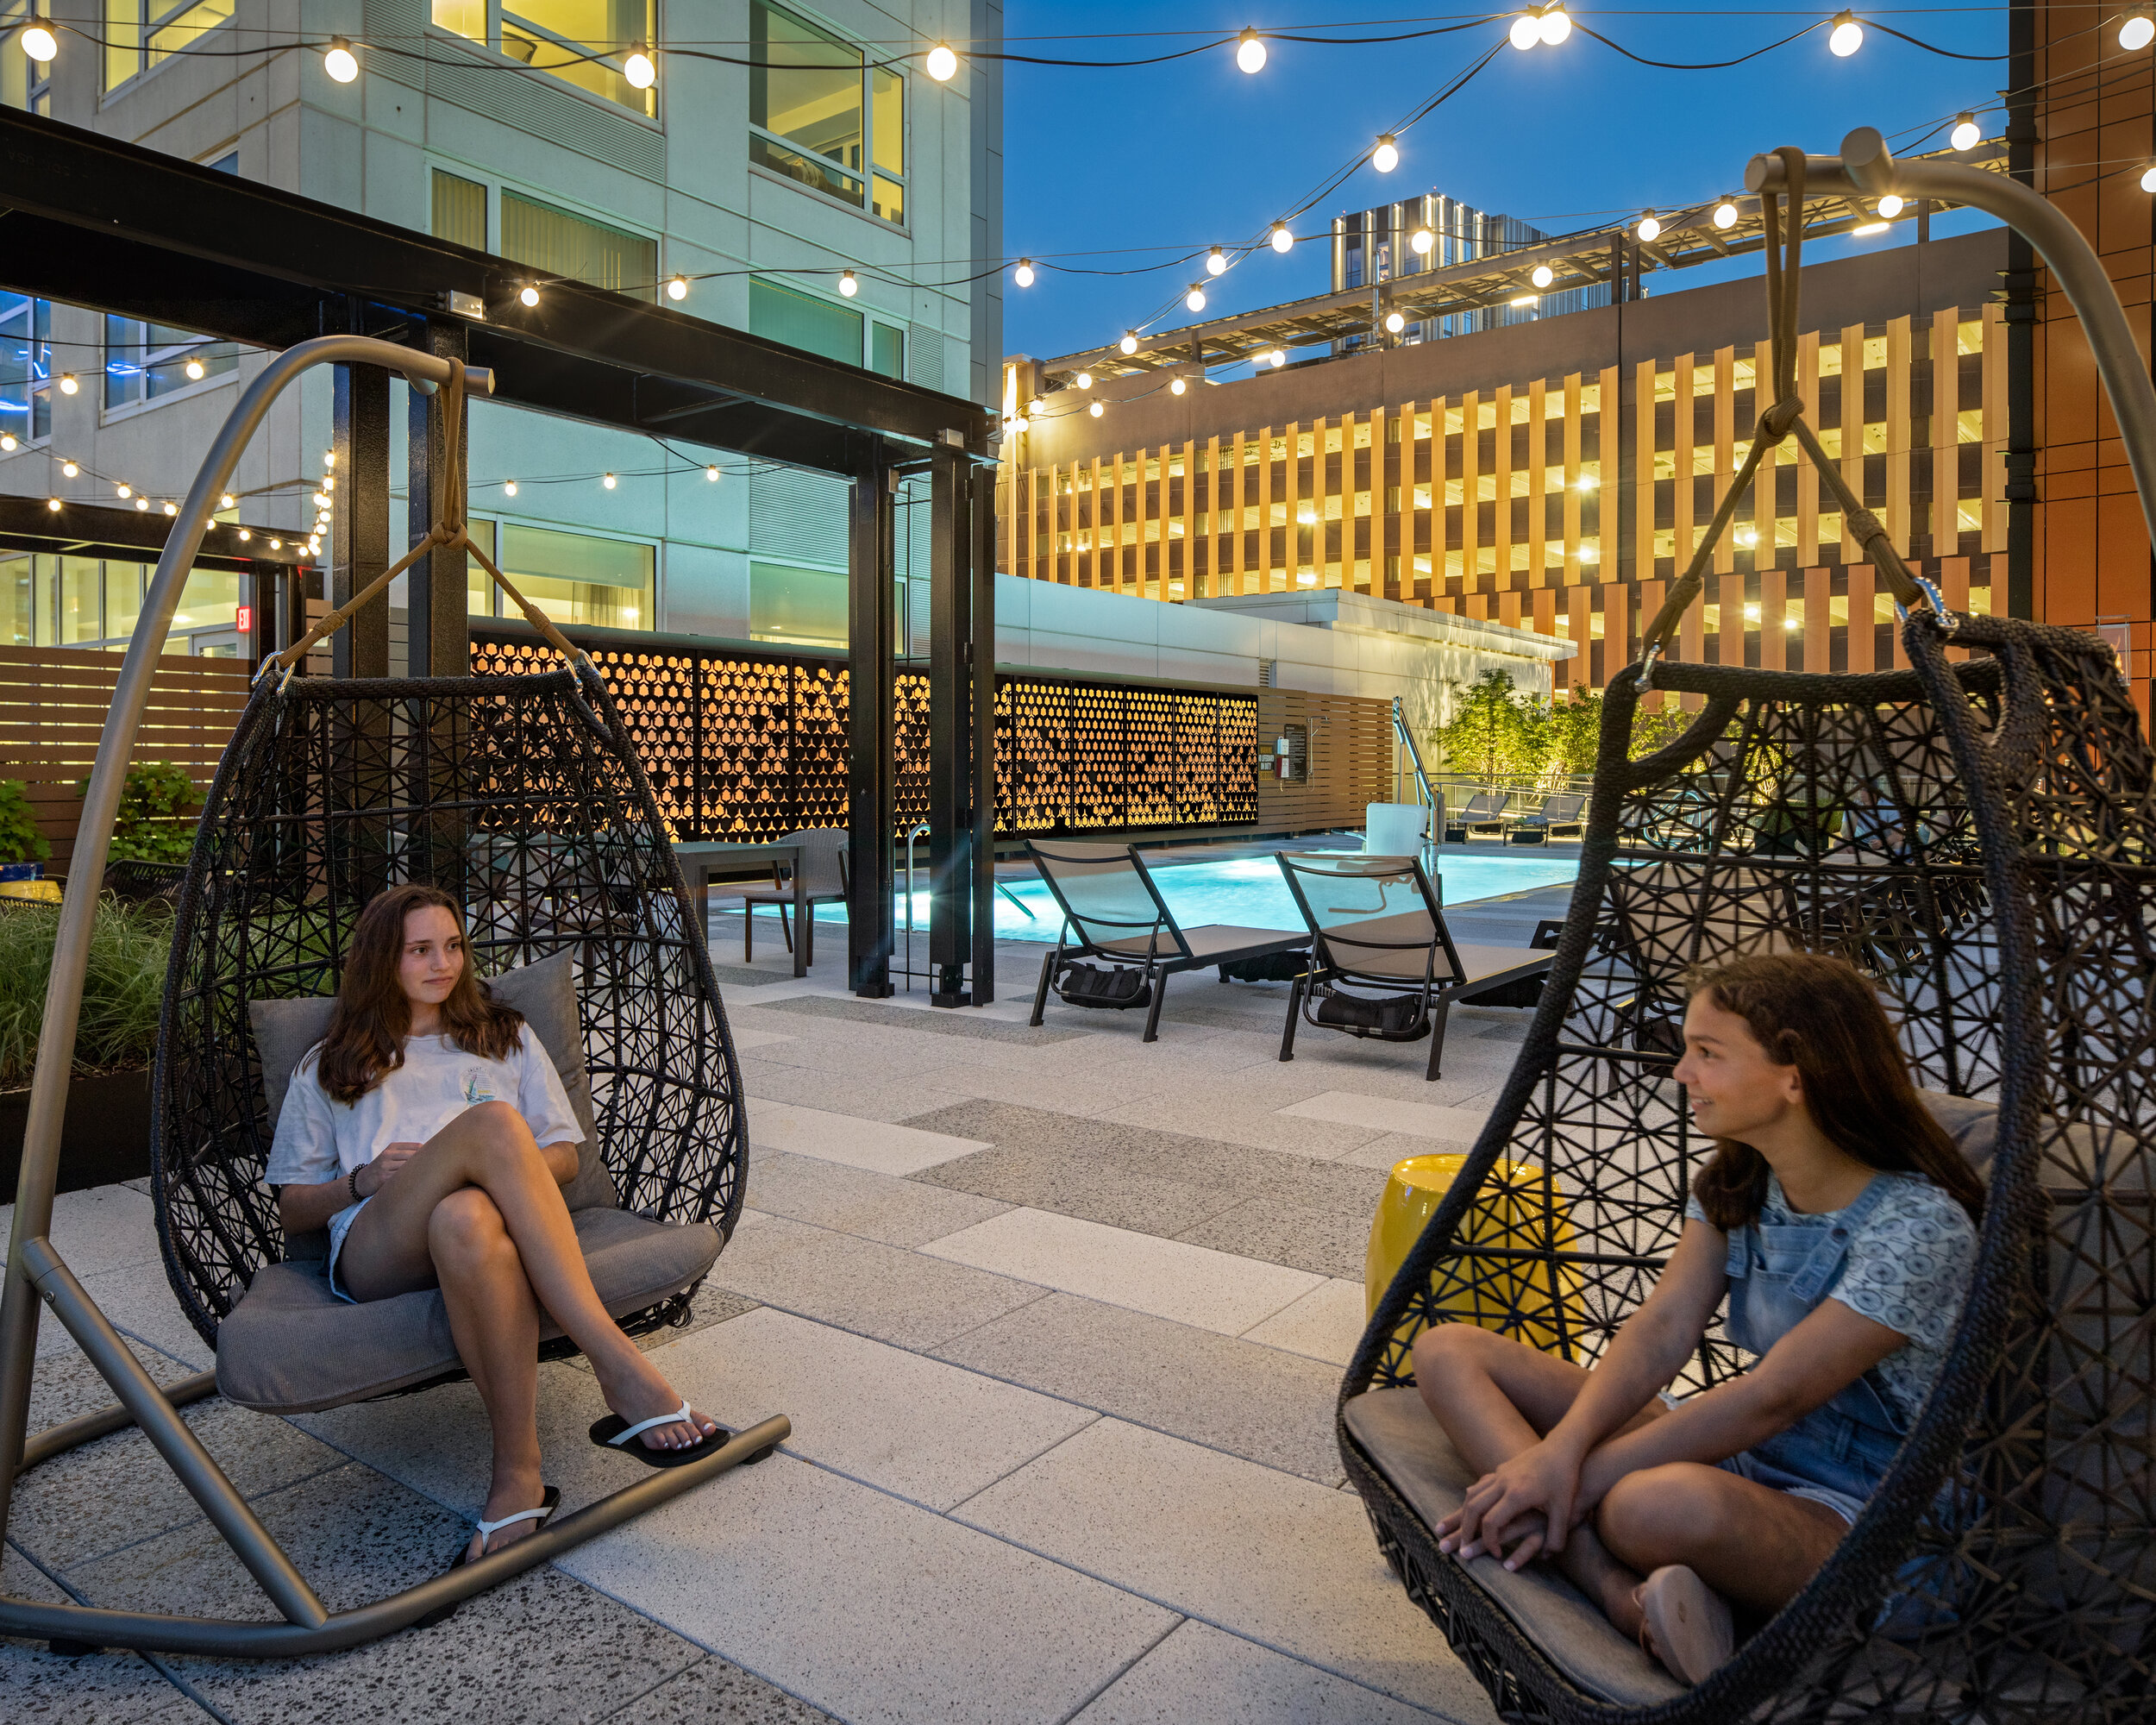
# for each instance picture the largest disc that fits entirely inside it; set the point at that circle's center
(1975, 834)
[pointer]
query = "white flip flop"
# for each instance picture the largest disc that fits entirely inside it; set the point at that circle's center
(614, 1433)
(1693, 1633)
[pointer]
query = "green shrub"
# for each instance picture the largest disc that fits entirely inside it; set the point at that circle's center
(20, 840)
(150, 827)
(123, 989)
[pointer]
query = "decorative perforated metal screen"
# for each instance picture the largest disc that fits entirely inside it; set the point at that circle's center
(742, 744)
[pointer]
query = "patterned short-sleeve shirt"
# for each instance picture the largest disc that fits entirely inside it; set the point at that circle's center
(1908, 1268)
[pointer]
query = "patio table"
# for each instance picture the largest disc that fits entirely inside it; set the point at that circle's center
(702, 862)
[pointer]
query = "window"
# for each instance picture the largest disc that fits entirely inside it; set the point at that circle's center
(888, 353)
(460, 210)
(558, 37)
(49, 600)
(26, 368)
(146, 361)
(815, 105)
(565, 245)
(574, 577)
(781, 313)
(798, 607)
(143, 34)
(24, 83)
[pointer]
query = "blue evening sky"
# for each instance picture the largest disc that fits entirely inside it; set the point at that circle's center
(1195, 153)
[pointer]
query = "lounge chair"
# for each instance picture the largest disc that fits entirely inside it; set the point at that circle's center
(1484, 813)
(1559, 815)
(1375, 924)
(1113, 911)
(823, 883)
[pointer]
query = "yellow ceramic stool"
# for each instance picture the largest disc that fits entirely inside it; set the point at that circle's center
(1534, 1301)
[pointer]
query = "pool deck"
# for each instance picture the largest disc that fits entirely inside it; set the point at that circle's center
(1059, 1319)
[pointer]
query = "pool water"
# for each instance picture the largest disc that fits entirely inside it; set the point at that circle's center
(1247, 890)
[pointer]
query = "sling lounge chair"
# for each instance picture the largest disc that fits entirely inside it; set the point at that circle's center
(1560, 816)
(823, 882)
(1484, 813)
(1113, 911)
(1375, 924)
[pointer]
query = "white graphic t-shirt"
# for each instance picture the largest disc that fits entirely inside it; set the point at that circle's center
(319, 1140)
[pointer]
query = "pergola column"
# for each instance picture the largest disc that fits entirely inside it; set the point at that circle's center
(871, 770)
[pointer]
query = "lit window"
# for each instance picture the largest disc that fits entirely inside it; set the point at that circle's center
(822, 117)
(26, 368)
(558, 37)
(574, 577)
(142, 34)
(560, 244)
(147, 362)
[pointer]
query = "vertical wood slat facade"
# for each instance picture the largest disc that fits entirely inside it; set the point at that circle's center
(1478, 506)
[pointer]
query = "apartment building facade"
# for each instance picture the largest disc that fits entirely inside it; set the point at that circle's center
(488, 123)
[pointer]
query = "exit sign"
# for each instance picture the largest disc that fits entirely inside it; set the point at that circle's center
(247, 619)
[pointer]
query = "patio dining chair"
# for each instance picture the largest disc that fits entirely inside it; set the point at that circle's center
(823, 882)
(1375, 924)
(1113, 912)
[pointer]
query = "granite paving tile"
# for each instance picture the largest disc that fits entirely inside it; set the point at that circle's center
(1236, 1395)
(713, 1692)
(1388, 1114)
(1326, 1323)
(858, 1200)
(41, 1688)
(746, 1037)
(542, 1646)
(1104, 1184)
(65, 1384)
(1083, 1094)
(872, 1289)
(1281, 1561)
(879, 1145)
(865, 1097)
(140, 1302)
(930, 1021)
(1201, 1673)
(1396, 1147)
(1213, 1290)
(104, 1227)
(876, 1609)
(1317, 1237)
(1243, 1120)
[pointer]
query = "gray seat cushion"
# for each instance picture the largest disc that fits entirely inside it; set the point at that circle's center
(292, 1346)
(544, 993)
(1411, 1449)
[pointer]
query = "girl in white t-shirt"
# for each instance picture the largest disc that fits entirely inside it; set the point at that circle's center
(428, 1132)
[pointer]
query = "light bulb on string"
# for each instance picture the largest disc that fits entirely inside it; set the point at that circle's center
(1085, 380)
(1966, 135)
(277, 544)
(1216, 262)
(678, 288)
(2137, 29)
(1725, 215)
(639, 69)
(1250, 51)
(1394, 322)
(52, 504)
(846, 285)
(1277, 358)
(1386, 157)
(339, 62)
(1891, 205)
(509, 488)
(1022, 275)
(1557, 24)
(530, 295)
(1847, 35)
(1015, 423)
(69, 469)
(1094, 410)
(124, 489)
(172, 509)
(39, 42)
(68, 384)
(329, 458)
(2148, 179)
(1129, 343)
(1195, 299)
(610, 481)
(1542, 275)
(7, 442)
(228, 501)
(711, 474)
(1176, 386)
(941, 64)
(1284, 242)
(196, 371)
(1650, 229)
(1525, 32)
(330, 484)
(141, 503)
(1423, 240)
(1036, 407)
(245, 537)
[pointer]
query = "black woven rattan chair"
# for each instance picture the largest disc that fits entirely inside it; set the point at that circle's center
(2002, 890)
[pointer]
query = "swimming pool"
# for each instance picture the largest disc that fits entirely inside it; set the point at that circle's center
(1247, 890)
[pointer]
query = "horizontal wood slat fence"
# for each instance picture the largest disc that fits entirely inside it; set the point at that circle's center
(53, 706)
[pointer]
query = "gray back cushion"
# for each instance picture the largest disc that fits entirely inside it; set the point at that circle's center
(544, 993)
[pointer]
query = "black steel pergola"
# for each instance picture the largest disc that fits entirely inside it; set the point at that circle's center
(93, 222)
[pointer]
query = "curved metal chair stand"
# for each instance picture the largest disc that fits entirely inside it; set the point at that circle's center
(1982, 839)
(698, 1177)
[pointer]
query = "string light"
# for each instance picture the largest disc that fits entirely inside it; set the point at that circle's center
(195, 370)
(1016, 423)
(277, 544)
(1422, 240)
(124, 489)
(52, 504)
(1022, 275)
(1725, 215)
(1216, 262)
(609, 481)
(1650, 229)
(1525, 32)
(141, 503)
(329, 483)
(1277, 358)
(1847, 37)
(1250, 51)
(68, 384)
(1557, 25)
(244, 535)
(2137, 29)
(529, 295)
(228, 501)
(1542, 275)
(678, 288)
(339, 62)
(509, 488)
(1176, 386)
(1394, 322)
(1094, 410)
(41, 45)
(2148, 178)
(940, 64)
(1085, 380)
(1891, 205)
(172, 509)
(1129, 343)
(7, 441)
(711, 474)
(1195, 299)
(846, 285)
(1386, 157)
(1036, 407)
(1966, 134)
(69, 469)
(1284, 242)
(329, 458)
(639, 69)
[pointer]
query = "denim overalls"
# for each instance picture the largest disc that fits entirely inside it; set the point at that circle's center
(1839, 1452)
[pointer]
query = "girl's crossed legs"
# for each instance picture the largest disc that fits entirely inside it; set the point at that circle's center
(1754, 1545)
(478, 1211)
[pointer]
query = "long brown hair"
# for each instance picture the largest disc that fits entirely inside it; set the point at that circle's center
(1819, 1015)
(365, 1041)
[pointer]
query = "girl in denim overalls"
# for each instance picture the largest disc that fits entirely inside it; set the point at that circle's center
(1838, 1219)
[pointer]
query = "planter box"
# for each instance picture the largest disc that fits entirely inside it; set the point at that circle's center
(104, 1138)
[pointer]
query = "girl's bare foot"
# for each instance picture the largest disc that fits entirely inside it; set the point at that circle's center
(1686, 1622)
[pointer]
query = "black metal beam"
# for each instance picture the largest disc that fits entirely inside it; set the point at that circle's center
(437, 611)
(980, 683)
(951, 863)
(94, 530)
(359, 524)
(93, 220)
(871, 780)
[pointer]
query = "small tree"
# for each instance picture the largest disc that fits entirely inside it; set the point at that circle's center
(20, 840)
(147, 827)
(1575, 730)
(1496, 729)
